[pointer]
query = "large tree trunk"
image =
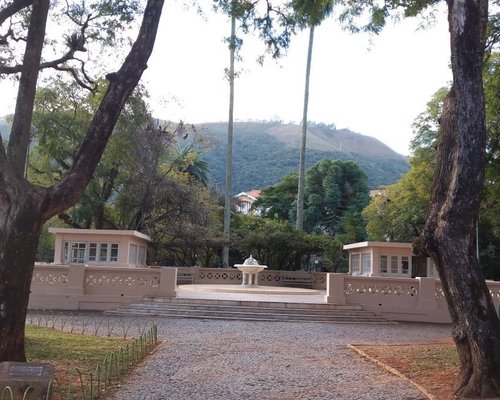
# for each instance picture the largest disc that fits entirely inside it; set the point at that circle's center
(20, 229)
(24, 207)
(449, 234)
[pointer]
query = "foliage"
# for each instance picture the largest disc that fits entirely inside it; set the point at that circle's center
(62, 114)
(397, 213)
(181, 220)
(277, 200)
(45, 250)
(333, 189)
(312, 13)
(335, 194)
(279, 245)
(145, 180)
(83, 26)
(371, 16)
(274, 23)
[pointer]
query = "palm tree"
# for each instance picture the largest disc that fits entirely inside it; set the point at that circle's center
(229, 156)
(312, 12)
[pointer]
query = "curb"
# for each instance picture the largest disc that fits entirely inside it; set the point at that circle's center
(392, 371)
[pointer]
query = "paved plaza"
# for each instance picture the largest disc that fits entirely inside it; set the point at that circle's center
(231, 360)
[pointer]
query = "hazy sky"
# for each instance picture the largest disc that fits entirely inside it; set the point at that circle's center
(375, 87)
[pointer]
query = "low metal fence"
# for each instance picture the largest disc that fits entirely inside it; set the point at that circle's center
(95, 384)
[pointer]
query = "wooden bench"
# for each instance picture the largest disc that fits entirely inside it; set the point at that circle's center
(300, 279)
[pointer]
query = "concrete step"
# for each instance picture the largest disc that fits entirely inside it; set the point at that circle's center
(250, 312)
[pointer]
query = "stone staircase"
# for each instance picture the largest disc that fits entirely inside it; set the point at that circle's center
(248, 311)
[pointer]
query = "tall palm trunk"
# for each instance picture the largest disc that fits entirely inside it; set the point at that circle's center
(229, 155)
(302, 163)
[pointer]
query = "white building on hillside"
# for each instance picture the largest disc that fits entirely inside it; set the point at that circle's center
(244, 201)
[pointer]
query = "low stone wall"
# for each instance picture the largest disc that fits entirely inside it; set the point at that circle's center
(398, 299)
(80, 287)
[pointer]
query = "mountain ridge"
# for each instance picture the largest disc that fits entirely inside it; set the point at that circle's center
(265, 152)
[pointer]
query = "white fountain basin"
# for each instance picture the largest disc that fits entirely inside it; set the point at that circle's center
(250, 273)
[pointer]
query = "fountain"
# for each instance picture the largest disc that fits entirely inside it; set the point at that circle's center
(249, 285)
(250, 270)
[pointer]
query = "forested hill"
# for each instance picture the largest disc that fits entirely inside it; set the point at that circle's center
(264, 152)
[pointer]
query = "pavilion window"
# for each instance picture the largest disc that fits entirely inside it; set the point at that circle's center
(93, 252)
(366, 263)
(383, 264)
(355, 264)
(78, 252)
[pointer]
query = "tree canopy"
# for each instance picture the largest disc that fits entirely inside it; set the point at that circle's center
(333, 189)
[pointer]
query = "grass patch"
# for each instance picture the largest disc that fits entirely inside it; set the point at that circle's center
(433, 366)
(69, 349)
(69, 352)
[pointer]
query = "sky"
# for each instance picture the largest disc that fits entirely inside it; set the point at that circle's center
(371, 85)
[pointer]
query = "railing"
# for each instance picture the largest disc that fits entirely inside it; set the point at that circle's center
(78, 287)
(232, 276)
(94, 384)
(81, 287)
(402, 299)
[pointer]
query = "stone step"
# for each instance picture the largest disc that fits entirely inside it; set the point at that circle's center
(269, 312)
(243, 309)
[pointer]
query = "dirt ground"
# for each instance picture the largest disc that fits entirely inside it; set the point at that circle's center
(433, 367)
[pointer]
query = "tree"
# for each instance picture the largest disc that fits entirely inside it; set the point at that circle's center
(62, 114)
(276, 243)
(277, 200)
(449, 235)
(246, 12)
(312, 13)
(24, 207)
(397, 213)
(334, 189)
(229, 156)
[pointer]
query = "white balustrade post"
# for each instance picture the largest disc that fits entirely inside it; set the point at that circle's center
(76, 279)
(335, 289)
(427, 293)
(168, 282)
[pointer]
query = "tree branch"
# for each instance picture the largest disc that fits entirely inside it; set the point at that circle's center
(21, 124)
(68, 191)
(12, 8)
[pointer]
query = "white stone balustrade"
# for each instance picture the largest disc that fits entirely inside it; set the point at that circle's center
(79, 287)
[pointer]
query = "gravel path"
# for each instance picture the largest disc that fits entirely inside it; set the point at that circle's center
(233, 360)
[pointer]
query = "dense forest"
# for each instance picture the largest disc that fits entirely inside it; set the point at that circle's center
(264, 152)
